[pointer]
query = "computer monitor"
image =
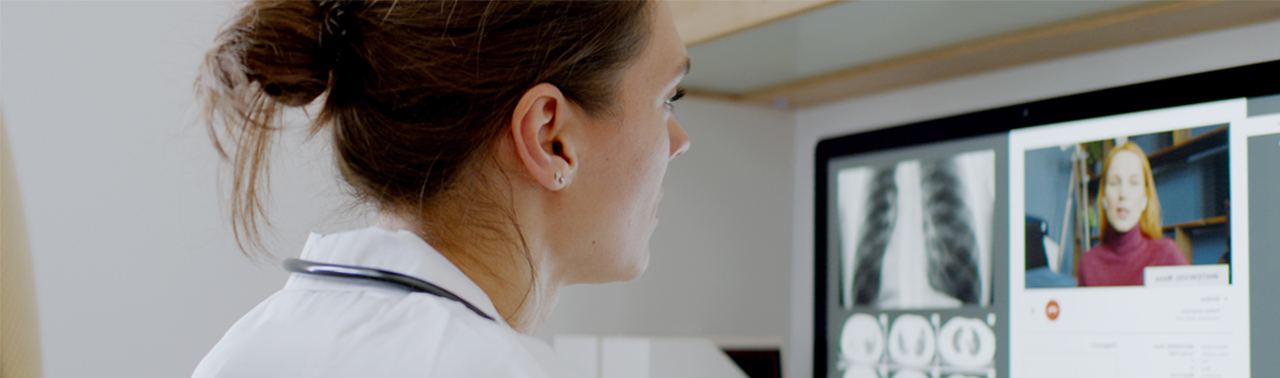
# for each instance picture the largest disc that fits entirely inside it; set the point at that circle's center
(1103, 234)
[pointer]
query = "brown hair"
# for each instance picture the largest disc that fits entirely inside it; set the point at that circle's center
(416, 90)
(1150, 222)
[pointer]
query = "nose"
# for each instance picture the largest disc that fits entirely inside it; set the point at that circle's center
(679, 138)
(1131, 190)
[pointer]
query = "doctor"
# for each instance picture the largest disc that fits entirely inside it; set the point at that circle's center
(511, 148)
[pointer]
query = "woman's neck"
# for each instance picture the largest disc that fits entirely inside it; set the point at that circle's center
(506, 271)
(1124, 242)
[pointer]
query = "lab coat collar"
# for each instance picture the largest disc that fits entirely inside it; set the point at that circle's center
(400, 252)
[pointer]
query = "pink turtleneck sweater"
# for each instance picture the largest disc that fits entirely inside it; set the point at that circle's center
(1119, 260)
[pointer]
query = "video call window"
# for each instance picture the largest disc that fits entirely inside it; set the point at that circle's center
(1129, 211)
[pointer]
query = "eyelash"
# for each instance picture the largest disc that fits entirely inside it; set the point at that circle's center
(671, 102)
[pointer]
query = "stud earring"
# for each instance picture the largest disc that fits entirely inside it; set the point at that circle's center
(559, 178)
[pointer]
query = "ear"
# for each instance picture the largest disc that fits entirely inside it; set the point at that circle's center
(538, 129)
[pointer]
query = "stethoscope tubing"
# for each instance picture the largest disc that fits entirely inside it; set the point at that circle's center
(362, 273)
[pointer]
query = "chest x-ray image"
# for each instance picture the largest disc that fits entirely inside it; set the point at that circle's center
(917, 234)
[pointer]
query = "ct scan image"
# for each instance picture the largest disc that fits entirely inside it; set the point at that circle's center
(913, 345)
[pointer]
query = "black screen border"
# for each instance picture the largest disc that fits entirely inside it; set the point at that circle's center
(1246, 81)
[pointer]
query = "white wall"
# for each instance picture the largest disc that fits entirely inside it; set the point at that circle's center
(1202, 52)
(137, 274)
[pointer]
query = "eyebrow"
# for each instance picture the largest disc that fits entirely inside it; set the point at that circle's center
(684, 69)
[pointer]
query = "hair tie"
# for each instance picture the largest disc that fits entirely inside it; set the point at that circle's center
(337, 29)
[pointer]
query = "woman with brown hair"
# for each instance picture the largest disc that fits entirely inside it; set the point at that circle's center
(510, 148)
(1129, 217)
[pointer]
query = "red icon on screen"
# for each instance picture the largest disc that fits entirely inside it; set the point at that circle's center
(1052, 310)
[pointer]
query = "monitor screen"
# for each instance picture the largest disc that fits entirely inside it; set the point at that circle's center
(1104, 234)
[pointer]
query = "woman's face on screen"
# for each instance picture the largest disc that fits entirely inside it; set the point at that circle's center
(1125, 191)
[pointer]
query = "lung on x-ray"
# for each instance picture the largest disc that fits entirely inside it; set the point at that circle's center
(917, 234)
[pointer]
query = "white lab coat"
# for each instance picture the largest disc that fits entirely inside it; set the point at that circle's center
(336, 327)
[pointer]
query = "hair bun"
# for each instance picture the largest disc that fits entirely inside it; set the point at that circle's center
(338, 29)
(289, 47)
(298, 93)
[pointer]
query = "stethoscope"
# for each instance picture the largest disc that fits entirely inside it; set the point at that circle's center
(369, 274)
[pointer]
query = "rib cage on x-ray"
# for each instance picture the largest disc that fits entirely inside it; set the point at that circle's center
(950, 243)
(933, 206)
(879, 223)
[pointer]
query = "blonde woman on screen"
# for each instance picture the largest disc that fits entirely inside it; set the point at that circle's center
(1129, 217)
(510, 147)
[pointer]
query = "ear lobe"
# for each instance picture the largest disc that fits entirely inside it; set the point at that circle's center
(537, 130)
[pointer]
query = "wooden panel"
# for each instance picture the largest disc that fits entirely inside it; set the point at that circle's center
(1141, 23)
(19, 320)
(1181, 136)
(702, 21)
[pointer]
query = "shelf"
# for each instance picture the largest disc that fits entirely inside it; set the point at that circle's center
(1206, 222)
(1183, 238)
(1178, 153)
(1197, 224)
(867, 73)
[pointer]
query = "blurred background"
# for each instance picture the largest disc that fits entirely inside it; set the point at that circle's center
(117, 231)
